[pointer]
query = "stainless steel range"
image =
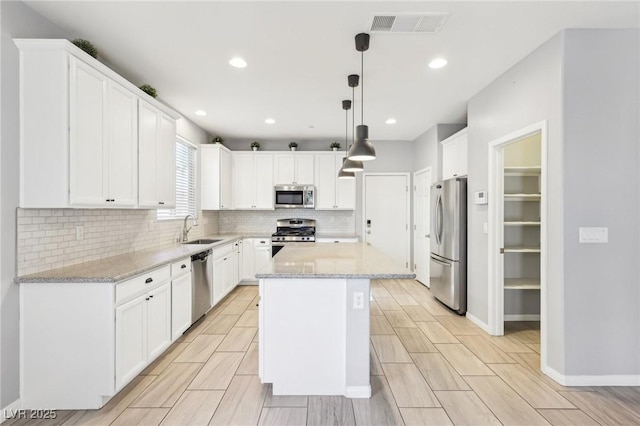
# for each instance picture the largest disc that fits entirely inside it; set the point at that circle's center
(292, 230)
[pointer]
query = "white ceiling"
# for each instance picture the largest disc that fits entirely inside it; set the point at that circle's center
(300, 53)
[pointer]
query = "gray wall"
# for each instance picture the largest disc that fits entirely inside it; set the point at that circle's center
(427, 150)
(585, 84)
(527, 93)
(601, 188)
(17, 20)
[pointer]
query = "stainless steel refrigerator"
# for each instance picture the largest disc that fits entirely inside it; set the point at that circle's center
(448, 267)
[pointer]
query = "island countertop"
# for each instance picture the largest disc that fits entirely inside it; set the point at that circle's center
(345, 260)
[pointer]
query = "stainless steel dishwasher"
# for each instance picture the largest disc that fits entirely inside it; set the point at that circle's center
(201, 281)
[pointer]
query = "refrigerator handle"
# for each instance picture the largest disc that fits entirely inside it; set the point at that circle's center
(439, 219)
(439, 262)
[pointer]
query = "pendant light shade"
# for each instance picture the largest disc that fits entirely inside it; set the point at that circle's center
(362, 149)
(346, 175)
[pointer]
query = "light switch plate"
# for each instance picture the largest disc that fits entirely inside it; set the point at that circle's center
(480, 197)
(594, 235)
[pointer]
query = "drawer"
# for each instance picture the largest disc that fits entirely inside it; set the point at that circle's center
(181, 267)
(337, 240)
(139, 285)
(262, 242)
(219, 252)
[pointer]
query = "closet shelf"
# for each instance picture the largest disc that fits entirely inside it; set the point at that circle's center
(522, 171)
(522, 197)
(522, 249)
(521, 223)
(522, 283)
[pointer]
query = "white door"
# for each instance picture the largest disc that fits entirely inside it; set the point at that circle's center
(285, 169)
(421, 224)
(123, 147)
(345, 188)
(180, 305)
(325, 178)
(148, 128)
(263, 181)
(131, 348)
(247, 260)
(158, 321)
(167, 162)
(225, 179)
(304, 169)
(243, 181)
(386, 214)
(87, 135)
(219, 279)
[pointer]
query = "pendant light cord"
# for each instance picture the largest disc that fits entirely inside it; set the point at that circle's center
(353, 115)
(346, 130)
(362, 87)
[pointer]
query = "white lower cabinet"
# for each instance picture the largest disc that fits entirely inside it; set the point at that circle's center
(225, 271)
(180, 297)
(143, 331)
(256, 254)
(92, 339)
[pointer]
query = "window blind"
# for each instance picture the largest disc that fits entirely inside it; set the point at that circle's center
(185, 183)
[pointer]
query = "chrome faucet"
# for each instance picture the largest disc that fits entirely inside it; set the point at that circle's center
(185, 230)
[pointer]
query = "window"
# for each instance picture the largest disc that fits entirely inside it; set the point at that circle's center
(185, 182)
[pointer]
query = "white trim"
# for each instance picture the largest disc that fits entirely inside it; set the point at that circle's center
(521, 317)
(474, 319)
(604, 380)
(495, 282)
(357, 391)
(14, 406)
(188, 142)
(415, 204)
(407, 175)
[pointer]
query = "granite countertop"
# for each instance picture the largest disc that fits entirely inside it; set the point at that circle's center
(346, 260)
(117, 268)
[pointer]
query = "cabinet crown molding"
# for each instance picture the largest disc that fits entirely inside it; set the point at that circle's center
(43, 45)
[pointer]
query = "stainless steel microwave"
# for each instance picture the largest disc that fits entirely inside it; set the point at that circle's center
(294, 197)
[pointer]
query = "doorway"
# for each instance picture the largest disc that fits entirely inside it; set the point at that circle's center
(386, 214)
(421, 224)
(517, 230)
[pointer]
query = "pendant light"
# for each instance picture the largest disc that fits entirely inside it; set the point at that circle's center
(362, 149)
(343, 174)
(351, 165)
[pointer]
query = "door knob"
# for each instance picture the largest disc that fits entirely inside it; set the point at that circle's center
(427, 236)
(368, 232)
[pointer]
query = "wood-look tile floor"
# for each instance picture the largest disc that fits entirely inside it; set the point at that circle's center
(428, 367)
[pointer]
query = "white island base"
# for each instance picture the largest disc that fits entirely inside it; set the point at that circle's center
(314, 336)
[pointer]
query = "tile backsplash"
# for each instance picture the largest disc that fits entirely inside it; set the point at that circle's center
(263, 222)
(46, 238)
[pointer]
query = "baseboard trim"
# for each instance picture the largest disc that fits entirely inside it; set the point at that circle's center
(10, 410)
(358, 391)
(522, 317)
(474, 319)
(602, 380)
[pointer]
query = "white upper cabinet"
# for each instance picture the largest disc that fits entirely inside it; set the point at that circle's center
(157, 158)
(333, 193)
(252, 181)
(454, 155)
(79, 131)
(215, 172)
(293, 169)
(102, 140)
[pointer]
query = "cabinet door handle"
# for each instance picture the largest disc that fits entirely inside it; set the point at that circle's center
(151, 297)
(148, 280)
(146, 298)
(224, 258)
(183, 266)
(161, 203)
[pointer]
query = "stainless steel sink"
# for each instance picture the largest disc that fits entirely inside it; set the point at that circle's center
(202, 241)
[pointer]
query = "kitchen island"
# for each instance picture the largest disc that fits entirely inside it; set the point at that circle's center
(314, 317)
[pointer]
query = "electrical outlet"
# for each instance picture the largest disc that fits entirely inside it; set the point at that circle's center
(151, 225)
(79, 232)
(358, 300)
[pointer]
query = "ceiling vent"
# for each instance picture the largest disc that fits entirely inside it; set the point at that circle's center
(408, 22)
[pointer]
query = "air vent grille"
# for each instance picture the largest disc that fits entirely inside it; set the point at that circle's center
(408, 22)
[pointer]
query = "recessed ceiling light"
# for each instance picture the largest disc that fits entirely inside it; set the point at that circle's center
(270, 121)
(237, 62)
(201, 113)
(391, 121)
(437, 63)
